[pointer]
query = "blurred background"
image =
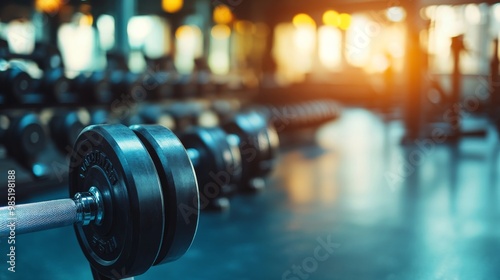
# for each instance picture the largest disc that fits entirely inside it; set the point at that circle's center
(387, 114)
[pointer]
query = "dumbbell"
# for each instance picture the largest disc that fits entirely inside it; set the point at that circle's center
(258, 145)
(234, 157)
(25, 138)
(217, 162)
(44, 55)
(15, 85)
(203, 78)
(100, 116)
(187, 114)
(56, 87)
(135, 200)
(216, 154)
(301, 115)
(93, 88)
(156, 114)
(125, 83)
(184, 86)
(226, 108)
(65, 126)
(159, 85)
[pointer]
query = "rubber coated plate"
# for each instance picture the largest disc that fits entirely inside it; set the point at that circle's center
(216, 155)
(21, 84)
(65, 129)
(113, 159)
(180, 189)
(252, 128)
(27, 136)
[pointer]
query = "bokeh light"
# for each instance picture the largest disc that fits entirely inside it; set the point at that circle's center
(331, 18)
(303, 20)
(172, 6)
(345, 21)
(223, 15)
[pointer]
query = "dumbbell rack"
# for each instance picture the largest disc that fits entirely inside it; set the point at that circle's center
(136, 196)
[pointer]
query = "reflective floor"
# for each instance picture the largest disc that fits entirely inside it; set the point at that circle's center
(355, 206)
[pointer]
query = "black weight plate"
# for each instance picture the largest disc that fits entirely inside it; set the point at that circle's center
(65, 127)
(180, 189)
(252, 129)
(269, 158)
(26, 136)
(216, 155)
(17, 84)
(113, 159)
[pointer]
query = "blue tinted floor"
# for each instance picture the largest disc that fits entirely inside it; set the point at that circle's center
(355, 206)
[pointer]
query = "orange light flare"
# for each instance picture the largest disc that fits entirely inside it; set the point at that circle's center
(305, 32)
(172, 6)
(223, 15)
(49, 6)
(373, 46)
(85, 15)
(332, 18)
(86, 20)
(345, 21)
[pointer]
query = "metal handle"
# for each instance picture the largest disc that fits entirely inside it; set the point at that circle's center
(25, 218)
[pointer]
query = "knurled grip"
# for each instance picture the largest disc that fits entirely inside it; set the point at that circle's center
(38, 216)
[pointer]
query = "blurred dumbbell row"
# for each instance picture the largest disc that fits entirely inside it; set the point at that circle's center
(51, 86)
(17, 87)
(38, 142)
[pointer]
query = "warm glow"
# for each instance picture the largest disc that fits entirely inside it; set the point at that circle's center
(245, 27)
(377, 64)
(305, 33)
(331, 18)
(86, 20)
(396, 14)
(261, 30)
(49, 6)
(448, 21)
(301, 20)
(359, 44)
(284, 48)
(395, 42)
(300, 174)
(330, 47)
(221, 31)
(184, 31)
(172, 6)
(345, 21)
(453, 20)
(305, 38)
(304, 43)
(189, 45)
(218, 59)
(430, 12)
(223, 15)
(445, 27)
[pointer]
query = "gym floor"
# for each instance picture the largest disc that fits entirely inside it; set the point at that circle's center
(357, 205)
